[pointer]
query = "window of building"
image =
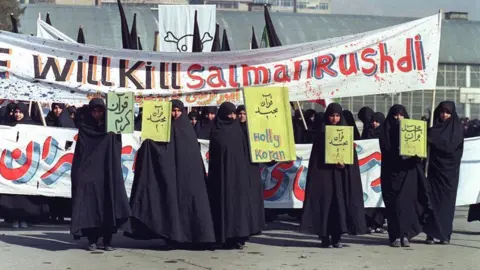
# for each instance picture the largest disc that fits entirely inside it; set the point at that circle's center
(323, 6)
(475, 76)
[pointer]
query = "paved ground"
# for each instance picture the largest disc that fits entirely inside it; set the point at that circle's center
(280, 247)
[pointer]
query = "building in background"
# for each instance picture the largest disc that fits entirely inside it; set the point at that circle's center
(303, 6)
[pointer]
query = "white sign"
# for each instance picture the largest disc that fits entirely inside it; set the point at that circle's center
(176, 35)
(394, 59)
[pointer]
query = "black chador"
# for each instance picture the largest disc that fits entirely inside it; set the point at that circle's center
(169, 196)
(99, 200)
(445, 139)
(404, 189)
(333, 196)
(234, 187)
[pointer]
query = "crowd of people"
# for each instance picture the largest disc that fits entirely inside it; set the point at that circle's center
(174, 198)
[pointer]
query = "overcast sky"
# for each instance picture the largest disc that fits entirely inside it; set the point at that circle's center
(406, 8)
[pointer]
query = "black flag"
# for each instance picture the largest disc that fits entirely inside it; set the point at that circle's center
(272, 35)
(254, 44)
(14, 23)
(139, 44)
(197, 41)
(80, 36)
(216, 47)
(47, 20)
(225, 45)
(133, 34)
(124, 25)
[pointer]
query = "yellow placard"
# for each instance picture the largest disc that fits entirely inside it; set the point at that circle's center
(156, 120)
(269, 124)
(339, 144)
(413, 138)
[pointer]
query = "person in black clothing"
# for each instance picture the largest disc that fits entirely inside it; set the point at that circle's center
(445, 139)
(207, 124)
(21, 209)
(99, 199)
(72, 110)
(365, 115)
(404, 187)
(350, 120)
(333, 196)
(234, 187)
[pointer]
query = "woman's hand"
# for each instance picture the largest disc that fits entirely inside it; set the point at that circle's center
(340, 165)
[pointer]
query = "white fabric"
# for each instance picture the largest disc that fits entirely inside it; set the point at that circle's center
(46, 31)
(175, 26)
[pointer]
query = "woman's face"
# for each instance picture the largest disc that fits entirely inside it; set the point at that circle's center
(57, 110)
(398, 116)
(242, 116)
(98, 113)
(445, 115)
(176, 113)
(232, 115)
(374, 124)
(334, 118)
(18, 114)
(193, 121)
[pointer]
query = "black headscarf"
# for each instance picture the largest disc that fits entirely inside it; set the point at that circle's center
(26, 118)
(365, 114)
(222, 120)
(72, 109)
(351, 122)
(241, 108)
(206, 125)
(138, 120)
(299, 131)
(390, 132)
(446, 134)
(89, 121)
(63, 120)
(7, 118)
(374, 133)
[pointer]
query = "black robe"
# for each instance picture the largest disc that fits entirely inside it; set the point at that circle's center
(375, 216)
(333, 202)
(169, 196)
(404, 187)
(99, 198)
(350, 120)
(234, 187)
(446, 150)
(23, 207)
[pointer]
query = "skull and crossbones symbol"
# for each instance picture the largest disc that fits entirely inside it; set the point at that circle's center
(185, 41)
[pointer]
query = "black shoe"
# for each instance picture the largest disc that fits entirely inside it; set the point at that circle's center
(429, 240)
(396, 243)
(326, 242)
(447, 242)
(370, 230)
(239, 246)
(108, 247)
(337, 245)
(92, 247)
(405, 242)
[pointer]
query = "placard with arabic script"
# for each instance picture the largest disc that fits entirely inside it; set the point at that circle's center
(120, 112)
(156, 120)
(339, 144)
(269, 124)
(413, 138)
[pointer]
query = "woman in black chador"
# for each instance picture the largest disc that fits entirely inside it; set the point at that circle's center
(403, 183)
(234, 188)
(99, 200)
(445, 139)
(169, 196)
(365, 115)
(333, 196)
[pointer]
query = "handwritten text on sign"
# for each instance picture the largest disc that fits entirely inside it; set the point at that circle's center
(156, 121)
(269, 124)
(120, 112)
(413, 139)
(394, 59)
(338, 144)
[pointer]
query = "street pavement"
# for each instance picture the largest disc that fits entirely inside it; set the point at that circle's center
(280, 247)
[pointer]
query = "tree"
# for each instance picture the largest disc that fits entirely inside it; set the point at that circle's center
(8, 7)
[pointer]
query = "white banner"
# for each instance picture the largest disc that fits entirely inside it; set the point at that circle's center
(46, 31)
(175, 26)
(39, 164)
(394, 59)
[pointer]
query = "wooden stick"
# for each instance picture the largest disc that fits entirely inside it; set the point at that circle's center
(41, 114)
(301, 114)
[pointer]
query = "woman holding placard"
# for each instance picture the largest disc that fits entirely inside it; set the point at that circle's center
(333, 196)
(445, 138)
(403, 183)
